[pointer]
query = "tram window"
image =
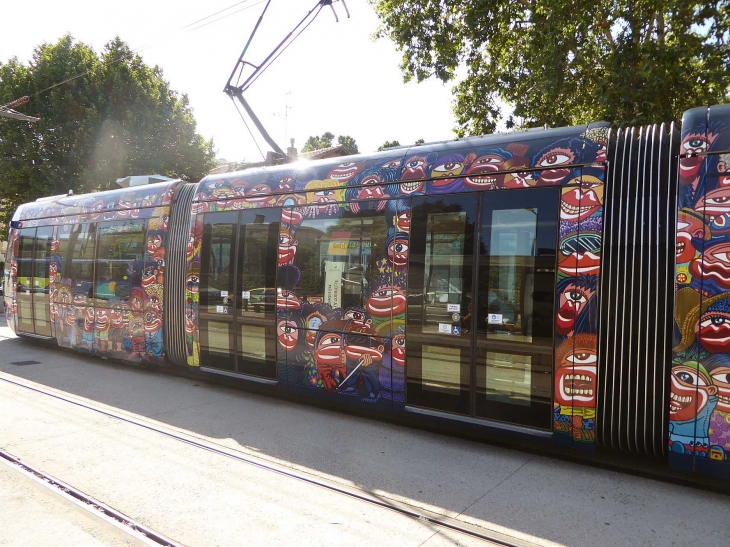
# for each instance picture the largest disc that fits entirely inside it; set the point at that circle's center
(81, 267)
(337, 258)
(119, 254)
(42, 254)
(25, 259)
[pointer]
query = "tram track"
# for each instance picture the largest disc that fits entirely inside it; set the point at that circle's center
(440, 521)
(98, 509)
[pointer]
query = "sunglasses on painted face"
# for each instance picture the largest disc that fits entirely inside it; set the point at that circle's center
(580, 243)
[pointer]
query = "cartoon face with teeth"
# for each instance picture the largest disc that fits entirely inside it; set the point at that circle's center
(287, 246)
(575, 377)
(555, 160)
(692, 394)
(690, 225)
(344, 172)
(720, 374)
(481, 174)
(397, 244)
(415, 169)
(580, 202)
(694, 143)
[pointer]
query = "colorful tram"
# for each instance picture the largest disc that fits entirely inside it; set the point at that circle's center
(569, 285)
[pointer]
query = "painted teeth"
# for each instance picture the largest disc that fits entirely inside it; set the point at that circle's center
(410, 186)
(483, 180)
(572, 209)
(578, 377)
(571, 391)
(725, 400)
(679, 398)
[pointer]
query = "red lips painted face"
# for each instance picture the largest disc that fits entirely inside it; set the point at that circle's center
(687, 228)
(714, 331)
(580, 264)
(398, 254)
(328, 350)
(385, 301)
(553, 175)
(343, 172)
(713, 266)
(689, 167)
(689, 393)
(481, 173)
(287, 247)
(398, 350)
(721, 379)
(403, 221)
(102, 320)
(575, 379)
(579, 203)
(287, 300)
(258, 194)
(287, 334)
(572, 302)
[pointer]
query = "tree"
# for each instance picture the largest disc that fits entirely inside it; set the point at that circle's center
(420, 141)
(325, 141)
(119, 117)
(349, 144)
(388, 144)
(626, 62)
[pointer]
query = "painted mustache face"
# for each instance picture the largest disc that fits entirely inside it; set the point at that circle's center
(575, 379)
(713, 266)
(288, 300)
(328, 350)
(689, 393)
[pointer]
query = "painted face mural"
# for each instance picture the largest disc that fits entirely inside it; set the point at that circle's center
(445, 171)
(287, 300)
(711, 271)
(194, 241)
(481, 174)
(576, 373)
(287, 247)
(714, 326)
(258, 194)
(398, 349)
(102, 319)
(344, 172)
(689, 225)
(387, 300)
(578, 203)
(720, 376)
(285, 183)
(403, 221)
(287, 334)
(555, 160)
(691, 391)
(414, 169)
(191, 320)
(154, 241)
(696, 142)
(398, 250)
(574, 294)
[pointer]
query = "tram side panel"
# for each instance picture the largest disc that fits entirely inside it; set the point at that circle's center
(699, 404)
(105, 270)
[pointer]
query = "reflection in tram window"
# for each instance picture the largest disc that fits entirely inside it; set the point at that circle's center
(120, 254)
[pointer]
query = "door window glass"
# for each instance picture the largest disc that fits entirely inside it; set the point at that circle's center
(119, 258)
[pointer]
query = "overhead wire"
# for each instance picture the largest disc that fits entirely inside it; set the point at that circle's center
(248, 128)
(139, 49)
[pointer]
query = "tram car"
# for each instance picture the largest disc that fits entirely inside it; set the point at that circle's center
(568, 286)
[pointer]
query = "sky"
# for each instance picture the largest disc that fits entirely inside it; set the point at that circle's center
(334, 77)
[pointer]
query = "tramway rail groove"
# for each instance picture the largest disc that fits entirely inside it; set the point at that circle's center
(111, 516)
(423, 515)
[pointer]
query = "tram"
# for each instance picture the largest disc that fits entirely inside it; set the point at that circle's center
(566, 285)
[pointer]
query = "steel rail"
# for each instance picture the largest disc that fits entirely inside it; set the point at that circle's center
(109, 515)
(417, 513)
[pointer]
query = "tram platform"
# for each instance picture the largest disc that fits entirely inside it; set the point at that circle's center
(200, 498)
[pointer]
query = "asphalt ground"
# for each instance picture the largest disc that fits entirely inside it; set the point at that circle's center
(200, 498)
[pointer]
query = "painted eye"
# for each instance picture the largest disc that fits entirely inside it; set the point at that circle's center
(575, 296)
(284, 240)
(690, 377)
(714, 320)
(346, 165)
(558, 156)
(400, 341)
(448, 167)
(722, 256)
(193, 279)
(582, 358)
(721, 377)
(695, 144)
(415, 164)
(719, 200)
(391, 165)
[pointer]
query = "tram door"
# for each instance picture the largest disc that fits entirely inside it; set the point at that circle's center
(238, 292)
(481, 288)
(24, 280)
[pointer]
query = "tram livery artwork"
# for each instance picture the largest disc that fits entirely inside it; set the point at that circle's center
(461, 280)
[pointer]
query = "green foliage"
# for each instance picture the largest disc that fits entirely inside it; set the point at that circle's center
(317, 143)
(349, 144)
(420, 141)
(325, 141)
(119, 119)
(561, 63)
(388, 144)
